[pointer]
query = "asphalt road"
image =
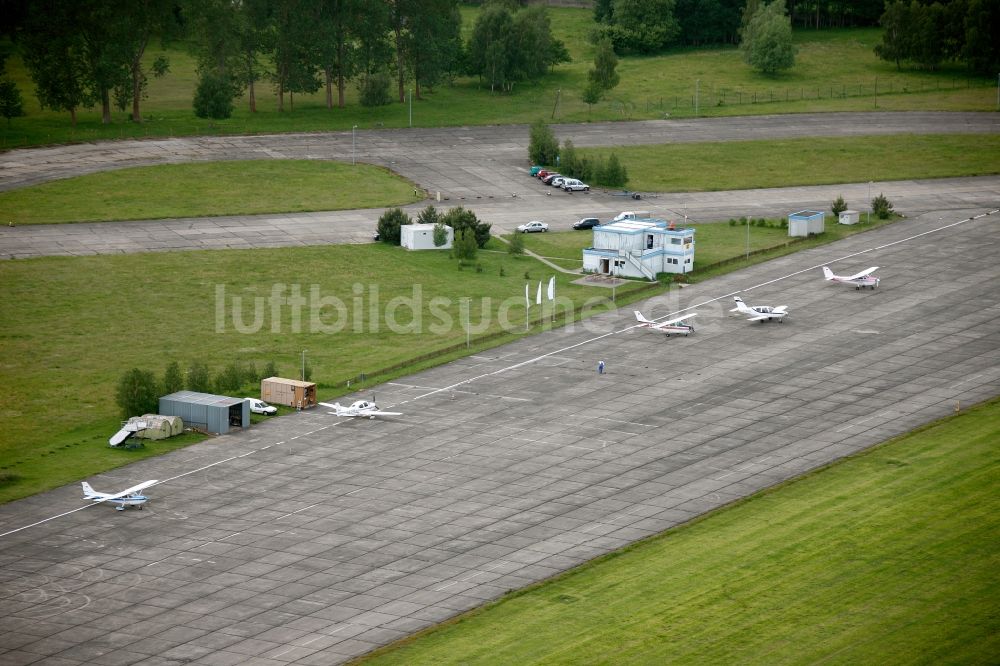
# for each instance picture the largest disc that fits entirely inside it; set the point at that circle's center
(310, 539)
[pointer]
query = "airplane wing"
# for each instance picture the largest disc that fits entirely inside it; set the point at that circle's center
(671, 322)
(780, 310)
(377, 412)
(864, 273)
(759, 317)
(332, 405)
(103, 497)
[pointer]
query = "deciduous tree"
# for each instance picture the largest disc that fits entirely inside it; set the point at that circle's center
(767, 41)
(136, 393)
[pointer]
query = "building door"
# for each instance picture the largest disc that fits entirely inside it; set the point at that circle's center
(604, 267)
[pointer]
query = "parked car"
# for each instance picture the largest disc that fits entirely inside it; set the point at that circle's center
(261, 407)
(533, 226)
(535, 170)
(587, 223)
(558, 181)
(549, 178)
(543, 173)
(376, 236)
(574, 185)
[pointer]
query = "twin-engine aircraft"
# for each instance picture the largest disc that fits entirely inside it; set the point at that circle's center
(361, 408)
(859, 280)
(678, 325)
(128, 497)
(760, 313)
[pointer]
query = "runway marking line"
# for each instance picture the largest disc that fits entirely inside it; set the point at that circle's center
(564, 349)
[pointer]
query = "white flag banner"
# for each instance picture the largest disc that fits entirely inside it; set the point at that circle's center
(552, 288)
(538, 296)
(527, 298)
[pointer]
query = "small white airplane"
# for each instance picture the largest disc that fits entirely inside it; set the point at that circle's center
(678, 325)
(862, 279)
(128, 497)
(760, 313)
(359, 408)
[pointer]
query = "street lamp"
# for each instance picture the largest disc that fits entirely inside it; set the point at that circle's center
(869, 202)
(354, 144)
(304, 364)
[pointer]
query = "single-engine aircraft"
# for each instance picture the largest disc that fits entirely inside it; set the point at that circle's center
(859, 280)
(128, 497)
(678, 325)
(760, 313)
(359, 408)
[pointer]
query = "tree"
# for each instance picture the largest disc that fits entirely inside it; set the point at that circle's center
(613, 174)
(464, 247)
(11, 104)
(542, 144)
(895, 23)
(516, 245)
(440, 234)
(641, 26)
(488, 49)
(389, 225)
(882, 207)
(435, 44)
(838, 206)
(533, 49)
(767, 41)
(338, 45)
(131, 31)
(605, 65)
(270, 370)
(173, 380)
(230, 379)
(592, 94)
(213, 97)
(428, 215)
(373, 89)
(54, 57)
(461, 219)
(568, 160)
(198, 378)
(982, 25)
(137, 393)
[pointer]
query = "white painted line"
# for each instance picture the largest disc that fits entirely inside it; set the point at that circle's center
(454, 582)
(87, 506)
(645, 425)
(299, 511)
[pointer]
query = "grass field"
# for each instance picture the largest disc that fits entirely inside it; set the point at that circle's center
(836, 70)
(70, 327)
(207, 189)
(814, 161)
(886, 557)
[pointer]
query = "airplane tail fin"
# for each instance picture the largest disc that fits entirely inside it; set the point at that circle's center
(87, 490)
(639, 318)
(740, 305)
(827, 273)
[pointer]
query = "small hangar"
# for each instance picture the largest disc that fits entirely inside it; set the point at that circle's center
(213, 413)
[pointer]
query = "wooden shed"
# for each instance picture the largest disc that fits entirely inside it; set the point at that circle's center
(288, 392)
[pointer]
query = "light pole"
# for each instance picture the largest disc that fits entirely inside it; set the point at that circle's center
(697, 83)
(869, 202)
(748, 238)
(354, 144)
(304, 364)
(411, 107)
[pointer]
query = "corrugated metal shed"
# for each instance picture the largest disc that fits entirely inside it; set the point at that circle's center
(806, 222)
(214, 413)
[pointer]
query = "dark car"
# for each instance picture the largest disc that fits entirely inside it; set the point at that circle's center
(587, 223)
(550, 177)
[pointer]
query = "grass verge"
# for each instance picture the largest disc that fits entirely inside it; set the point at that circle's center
(207, 189)
(886, 557)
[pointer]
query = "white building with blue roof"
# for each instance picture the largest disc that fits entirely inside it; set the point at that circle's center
(640, 248)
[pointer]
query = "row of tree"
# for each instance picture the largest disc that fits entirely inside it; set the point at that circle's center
(138, 391)
(650, 26)
(91, 52)
(928, 34)
(543, 149)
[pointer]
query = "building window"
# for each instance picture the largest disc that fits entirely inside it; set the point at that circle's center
(649, 242)
(689, 240)
(675, 241)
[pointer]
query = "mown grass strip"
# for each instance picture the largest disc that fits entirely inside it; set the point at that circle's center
(207, 189)
(887, 557)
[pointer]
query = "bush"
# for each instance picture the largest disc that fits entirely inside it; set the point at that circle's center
(882, 207)
(213, 97)
(543, 148)
(732, 221)
(373, 90)
(389, 225)
(198, 378)
(516, 245)
(230, 379)
(137, 393)
(270, 370)
(460, 219)
(173, 380)
(838, 207)
(465, 246)
(613, 174)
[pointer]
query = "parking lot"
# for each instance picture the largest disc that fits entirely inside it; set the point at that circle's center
(311, 539)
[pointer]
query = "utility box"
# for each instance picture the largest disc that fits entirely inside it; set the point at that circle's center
(806, 222)
(421, 237)
(288, 392)
(849, 217)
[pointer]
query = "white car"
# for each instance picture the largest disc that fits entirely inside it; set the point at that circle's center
(574, 185)
(261, 407)
(558, 181)
(532, 227)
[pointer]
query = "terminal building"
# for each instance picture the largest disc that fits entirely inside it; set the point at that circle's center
(640, 248)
